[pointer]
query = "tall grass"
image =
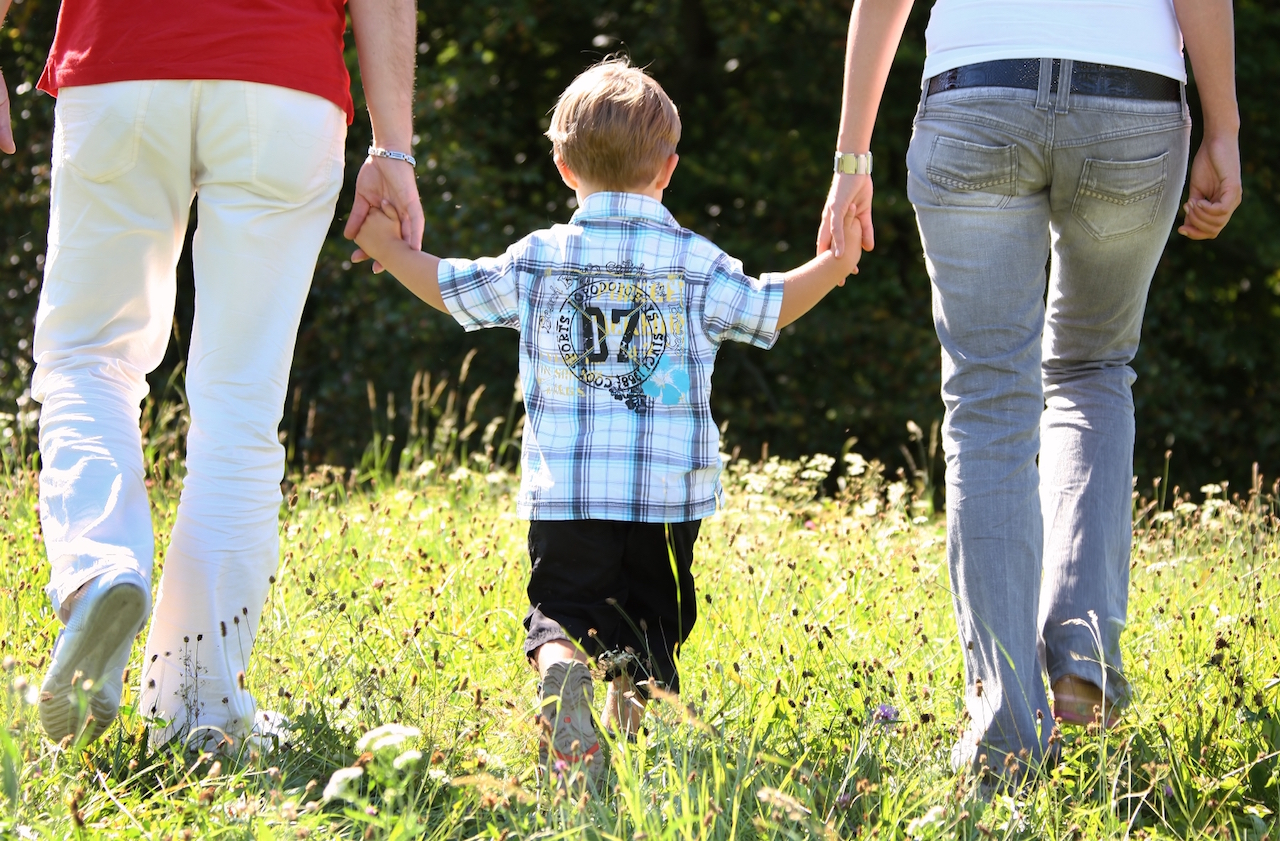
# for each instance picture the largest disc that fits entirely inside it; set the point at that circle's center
(822, 683)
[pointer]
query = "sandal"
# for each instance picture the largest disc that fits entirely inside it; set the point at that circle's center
(1078, 701)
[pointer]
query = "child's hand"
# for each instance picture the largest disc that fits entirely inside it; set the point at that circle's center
(379, 236)
(852, 253)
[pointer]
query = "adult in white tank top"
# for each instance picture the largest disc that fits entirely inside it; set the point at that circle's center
(1051, 131)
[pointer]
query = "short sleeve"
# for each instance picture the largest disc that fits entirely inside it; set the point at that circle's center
(740, 308)
(481, 293)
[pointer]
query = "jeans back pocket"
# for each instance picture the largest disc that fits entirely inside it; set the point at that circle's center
(964, 174)
(1118, 198)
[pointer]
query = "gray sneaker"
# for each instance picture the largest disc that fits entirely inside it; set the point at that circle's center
(568, 746)
(82, 689)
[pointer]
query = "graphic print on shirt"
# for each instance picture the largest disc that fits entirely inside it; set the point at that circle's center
(620, 329)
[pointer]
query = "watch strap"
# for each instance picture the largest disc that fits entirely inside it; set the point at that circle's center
(379, 152)
(849, 164)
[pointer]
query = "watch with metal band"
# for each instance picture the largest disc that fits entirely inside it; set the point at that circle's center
(378, 152)
(847, 164)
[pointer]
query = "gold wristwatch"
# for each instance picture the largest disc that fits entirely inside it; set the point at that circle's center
(847, 164)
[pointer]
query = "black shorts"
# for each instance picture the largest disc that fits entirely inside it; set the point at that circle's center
(615, 589)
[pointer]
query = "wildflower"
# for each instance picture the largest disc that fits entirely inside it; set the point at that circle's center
(784, 802)
(342, 783)
(921, 826)
(386, 737)
(407, 759)
(885, 714)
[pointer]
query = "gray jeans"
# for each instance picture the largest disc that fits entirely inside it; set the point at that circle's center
(1005, 181)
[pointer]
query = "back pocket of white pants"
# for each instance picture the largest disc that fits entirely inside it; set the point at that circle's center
(964, 174)
(98, 128)
(297, 142)
(1118, 198)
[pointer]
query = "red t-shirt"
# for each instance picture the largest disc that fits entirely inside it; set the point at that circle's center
(291, 43)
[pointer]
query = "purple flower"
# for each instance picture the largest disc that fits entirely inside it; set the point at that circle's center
(561, 766)
(844, 801)
(1168, 790)
(885, 714)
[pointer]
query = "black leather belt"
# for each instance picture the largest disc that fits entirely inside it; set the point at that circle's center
(1086, 78)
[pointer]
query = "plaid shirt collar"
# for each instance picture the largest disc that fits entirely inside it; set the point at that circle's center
(599, 207)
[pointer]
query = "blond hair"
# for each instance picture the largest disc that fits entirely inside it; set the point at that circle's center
(614, 126)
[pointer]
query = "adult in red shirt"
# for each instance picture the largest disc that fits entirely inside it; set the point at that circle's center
(243, 104)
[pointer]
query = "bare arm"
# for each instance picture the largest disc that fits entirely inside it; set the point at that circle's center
(386, 41)
(6, 127)
(417, 271)
(1208, 31)
(805, 286)
(875, 28)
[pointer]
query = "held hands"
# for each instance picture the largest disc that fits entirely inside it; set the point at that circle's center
(1215, 188)
(380, 181)
(850, 195)
(851, 233)
(380, 235)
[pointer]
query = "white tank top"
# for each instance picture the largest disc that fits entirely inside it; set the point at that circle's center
(1140, 34)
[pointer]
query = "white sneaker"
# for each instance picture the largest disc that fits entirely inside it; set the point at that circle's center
(270, 732)
(81, 691)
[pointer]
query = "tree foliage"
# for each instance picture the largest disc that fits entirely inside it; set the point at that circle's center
(758, 85)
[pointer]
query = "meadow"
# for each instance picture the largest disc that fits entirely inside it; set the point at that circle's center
(821, 687)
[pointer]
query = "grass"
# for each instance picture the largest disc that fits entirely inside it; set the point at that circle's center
(822, 684)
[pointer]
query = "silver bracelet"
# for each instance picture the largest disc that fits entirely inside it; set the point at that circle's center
(378, 152)
(848, 164)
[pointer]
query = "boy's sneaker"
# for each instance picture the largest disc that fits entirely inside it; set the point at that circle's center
(568, 744)
(84, 683)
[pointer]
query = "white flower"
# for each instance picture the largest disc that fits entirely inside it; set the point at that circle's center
(425, 469)
(342, 782)
(386, 737)
(930, 820)
(407, 759)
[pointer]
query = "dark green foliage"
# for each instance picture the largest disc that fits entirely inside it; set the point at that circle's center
(758, 85)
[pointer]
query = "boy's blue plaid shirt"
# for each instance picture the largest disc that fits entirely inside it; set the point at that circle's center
(620, 315)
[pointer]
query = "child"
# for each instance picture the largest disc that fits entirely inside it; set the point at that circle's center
(620, 314)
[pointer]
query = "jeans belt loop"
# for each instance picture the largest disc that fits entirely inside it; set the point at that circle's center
(1063, 101)
(1046, 81)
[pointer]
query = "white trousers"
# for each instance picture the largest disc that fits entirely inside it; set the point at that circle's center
(128, 157)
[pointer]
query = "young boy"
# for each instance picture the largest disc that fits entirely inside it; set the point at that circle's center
(620, 314)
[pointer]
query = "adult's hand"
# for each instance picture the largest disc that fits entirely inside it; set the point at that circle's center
(384, 179)
(849, 194)
(386, 42)
(1208, 30)
(875, 28)
(1215, 188)
(6, 127)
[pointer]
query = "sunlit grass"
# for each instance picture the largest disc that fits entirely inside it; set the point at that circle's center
(822, 684)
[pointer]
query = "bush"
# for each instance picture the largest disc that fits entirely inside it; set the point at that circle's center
(758, 85)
